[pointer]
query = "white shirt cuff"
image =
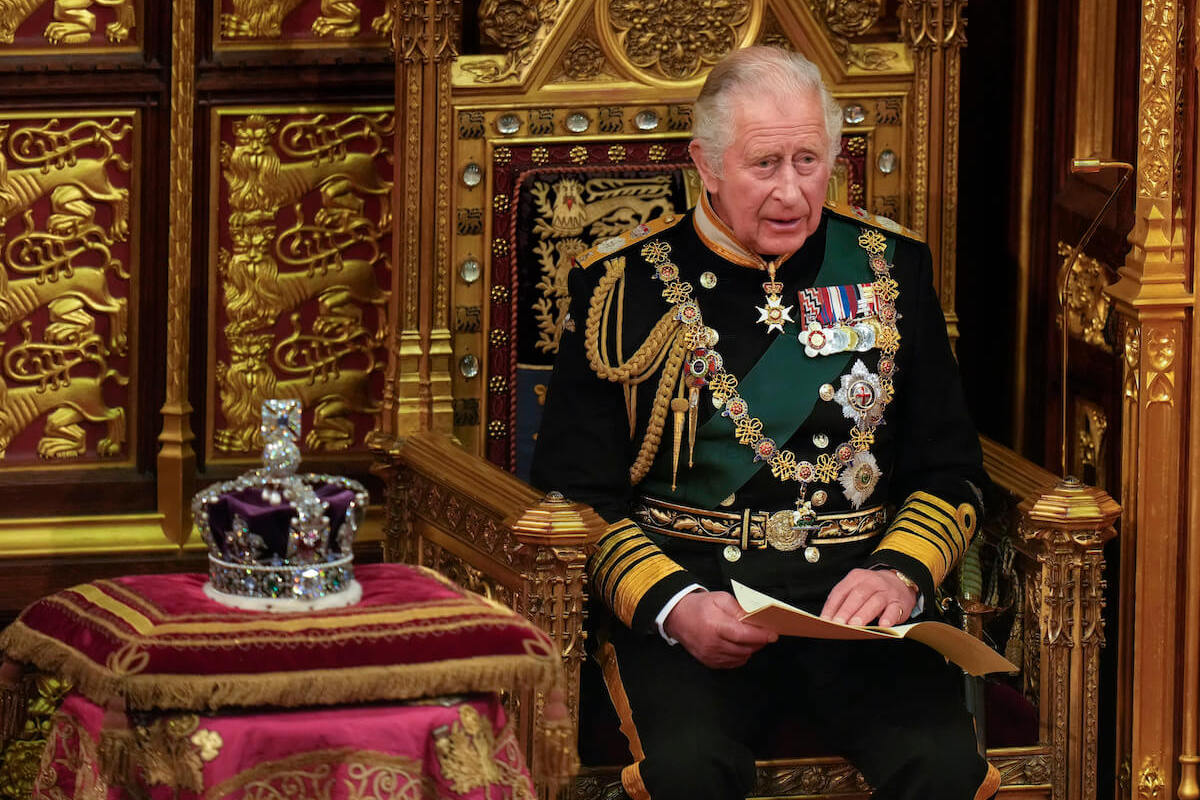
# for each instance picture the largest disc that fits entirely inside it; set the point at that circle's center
(669, 606)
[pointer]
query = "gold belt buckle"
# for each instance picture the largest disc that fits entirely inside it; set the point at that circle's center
(784, 532)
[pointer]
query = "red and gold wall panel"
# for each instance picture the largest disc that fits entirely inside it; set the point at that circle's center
(49, 27)
(69, 211)
(258, 24)
(299, 274)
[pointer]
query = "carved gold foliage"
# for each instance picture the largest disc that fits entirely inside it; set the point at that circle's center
(1160, 373)
(1157, 113)
(584, 59)
(1088, 306)
(1091, 423)
(1150, 779)
(263, 19)
(675, 40)
(1132, 351)
(73, 22)
(520, 27)
(571, 213)
(316, 276)
(57, 276)
(848, 17)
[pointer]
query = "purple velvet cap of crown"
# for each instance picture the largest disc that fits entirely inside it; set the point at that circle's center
(272, 521)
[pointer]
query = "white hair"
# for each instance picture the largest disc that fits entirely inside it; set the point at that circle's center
(752, 72)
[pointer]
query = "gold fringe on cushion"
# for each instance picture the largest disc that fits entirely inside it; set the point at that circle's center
(142, 692)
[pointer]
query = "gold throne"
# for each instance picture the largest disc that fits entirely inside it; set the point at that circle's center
(571, 123)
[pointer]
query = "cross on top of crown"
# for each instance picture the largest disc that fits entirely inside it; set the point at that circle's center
(280, 430)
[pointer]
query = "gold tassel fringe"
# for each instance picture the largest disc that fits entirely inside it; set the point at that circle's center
(283, 689)
(555, 758)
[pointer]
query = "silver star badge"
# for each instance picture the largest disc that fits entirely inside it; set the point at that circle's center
(774, 314)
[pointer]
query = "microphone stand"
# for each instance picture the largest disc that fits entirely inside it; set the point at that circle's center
(1080, 165)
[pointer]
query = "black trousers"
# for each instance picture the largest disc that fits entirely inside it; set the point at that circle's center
(893, 709)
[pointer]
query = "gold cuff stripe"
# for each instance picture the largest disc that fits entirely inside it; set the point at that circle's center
(613, 572)
(607, 656)
(603, 567)
(628, 567)
(937, 508)
(631, 781)
(917, 528)
(634, 584)
(610, 545)
(935, 517)
(919, 549)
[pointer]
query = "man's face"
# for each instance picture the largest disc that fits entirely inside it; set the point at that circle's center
(775, 173)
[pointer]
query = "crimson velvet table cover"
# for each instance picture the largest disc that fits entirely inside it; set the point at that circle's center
(157, 642)
(449, 749)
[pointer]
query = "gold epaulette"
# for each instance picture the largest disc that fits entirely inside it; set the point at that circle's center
(862, 216)
(606, 247)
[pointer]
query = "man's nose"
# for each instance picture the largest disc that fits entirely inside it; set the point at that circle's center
(788, 187)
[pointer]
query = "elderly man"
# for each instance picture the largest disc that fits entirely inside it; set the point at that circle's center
(762, 390)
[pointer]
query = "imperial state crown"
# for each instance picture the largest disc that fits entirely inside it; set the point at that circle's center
(279, 541)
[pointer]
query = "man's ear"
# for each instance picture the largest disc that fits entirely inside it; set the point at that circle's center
(708, 175)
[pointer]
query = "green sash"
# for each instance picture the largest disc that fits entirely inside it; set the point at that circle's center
(781, 390)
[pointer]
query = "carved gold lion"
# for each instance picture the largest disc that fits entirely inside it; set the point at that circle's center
(73, 22)
(260, 183)
(77, 400)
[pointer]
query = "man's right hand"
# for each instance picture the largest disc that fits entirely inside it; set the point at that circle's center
(709, 626)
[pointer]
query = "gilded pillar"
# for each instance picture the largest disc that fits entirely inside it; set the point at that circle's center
(936, 30)
(1189, 757)
(1065, 528)
(1153, 298)
(176, 458)
(417, 394)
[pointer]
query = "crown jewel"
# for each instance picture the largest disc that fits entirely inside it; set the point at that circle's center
(277, 540)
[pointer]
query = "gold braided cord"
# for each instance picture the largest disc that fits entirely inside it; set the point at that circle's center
(658, 410)
(644, 362)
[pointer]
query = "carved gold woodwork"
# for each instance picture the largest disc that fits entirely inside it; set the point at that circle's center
(661, 40)
(1091, 423)
(1088, 306)
(302, 266)
(1065, 528)
(176, 460)
(74, 25)
(454, 511)
(358, 23)
(68, 192)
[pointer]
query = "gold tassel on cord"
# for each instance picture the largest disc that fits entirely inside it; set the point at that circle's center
(555, 759)
(693, 412)
(679, 407)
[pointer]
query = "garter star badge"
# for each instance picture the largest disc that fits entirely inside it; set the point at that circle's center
(860, 395)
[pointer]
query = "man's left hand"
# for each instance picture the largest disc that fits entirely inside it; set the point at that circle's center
(865, 595)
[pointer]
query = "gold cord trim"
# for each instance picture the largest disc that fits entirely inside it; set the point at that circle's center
(607, 656)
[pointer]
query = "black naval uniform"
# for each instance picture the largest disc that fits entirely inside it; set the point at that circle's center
(892, 708)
